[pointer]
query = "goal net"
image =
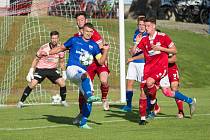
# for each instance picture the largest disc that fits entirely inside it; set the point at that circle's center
(25, 26)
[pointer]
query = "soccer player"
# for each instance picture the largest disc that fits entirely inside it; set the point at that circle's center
(156, 47)
(95, 68)
(76, 72)
(135, 67)
(46, 67)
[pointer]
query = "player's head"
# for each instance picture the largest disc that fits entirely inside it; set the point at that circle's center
(81, 19)
(141, 24)
(150, 24)
(54, 36)
(88, 30)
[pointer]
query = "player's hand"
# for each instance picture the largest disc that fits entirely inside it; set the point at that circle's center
(30, 75)
(129, 60)
(106, 47)
(156, 47)
(43, 53)
(64, 75)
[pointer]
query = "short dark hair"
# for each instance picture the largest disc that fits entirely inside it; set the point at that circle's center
(151, 19)
(141, 18)
(81, 13)
(88, 24)
(54, 33)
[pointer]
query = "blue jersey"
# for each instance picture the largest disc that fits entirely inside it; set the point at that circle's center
(77, 46)
(137, 32)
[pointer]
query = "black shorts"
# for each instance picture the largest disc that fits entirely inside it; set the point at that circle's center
(51, 74)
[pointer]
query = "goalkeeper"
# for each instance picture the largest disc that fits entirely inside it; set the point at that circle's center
(46, 67)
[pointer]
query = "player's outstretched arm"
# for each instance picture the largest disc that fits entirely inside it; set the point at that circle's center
(140, 56)
(102, 59)
(57, 50)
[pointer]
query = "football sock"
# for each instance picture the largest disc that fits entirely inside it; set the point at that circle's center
(86, 110)
(86, 87)
(129, 95)
(179, 104)
(180, 96)
(104, 90)
(26, 93)
(81, 101)
(142, 107)
(63, 93)
(148, 104)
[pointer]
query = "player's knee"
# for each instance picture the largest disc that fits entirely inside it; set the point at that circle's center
(167, 92)
(174, 86)
(130, 84)
(61, 82)
(84, 76)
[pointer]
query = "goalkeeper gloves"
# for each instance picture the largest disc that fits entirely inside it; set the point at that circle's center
(30, 75)
(64, 75)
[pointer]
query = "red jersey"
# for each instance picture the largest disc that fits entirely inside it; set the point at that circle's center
(152, 57)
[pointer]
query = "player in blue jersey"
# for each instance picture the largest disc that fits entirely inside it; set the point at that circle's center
(76, 72)
(135, 67)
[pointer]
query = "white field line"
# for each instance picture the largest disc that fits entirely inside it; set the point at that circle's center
(66, 125)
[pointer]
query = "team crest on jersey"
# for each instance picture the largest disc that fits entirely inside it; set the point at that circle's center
(90, 47)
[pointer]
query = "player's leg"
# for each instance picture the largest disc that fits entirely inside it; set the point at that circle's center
(142, 106)
(86, 110)
(54, 76)
(61, 83)
(174, 87)
(81, 101)
(132, 76)
(103, 76)
(26, 92)
(39, 76)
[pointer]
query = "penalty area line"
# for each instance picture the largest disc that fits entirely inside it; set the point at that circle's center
(66, 125)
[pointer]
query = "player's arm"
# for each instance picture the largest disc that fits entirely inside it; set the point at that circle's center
(171, 49)
(56, 50)
(172, 58)
(101, 58)
(140, 56)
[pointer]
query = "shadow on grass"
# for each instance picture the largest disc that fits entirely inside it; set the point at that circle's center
(132, 116)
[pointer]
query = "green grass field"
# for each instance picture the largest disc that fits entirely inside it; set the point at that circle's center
(55, 122)
(46, 122)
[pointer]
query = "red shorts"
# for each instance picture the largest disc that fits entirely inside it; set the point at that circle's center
(156, 72)
(173, 74)
(95, 68)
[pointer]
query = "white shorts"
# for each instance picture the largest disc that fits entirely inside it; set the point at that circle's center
(135, 71)
(74, 74)
(164, 82)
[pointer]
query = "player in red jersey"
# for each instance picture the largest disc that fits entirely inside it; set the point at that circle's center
(156, 47)
(101, 70)
(173, 76)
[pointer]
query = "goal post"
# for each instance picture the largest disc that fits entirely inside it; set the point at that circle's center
(31, 30)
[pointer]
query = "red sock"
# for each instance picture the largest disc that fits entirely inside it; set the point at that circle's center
(142, 107)
(156, 106)
(152, 90)
(81, 101)
(179, 104)
(104, 90)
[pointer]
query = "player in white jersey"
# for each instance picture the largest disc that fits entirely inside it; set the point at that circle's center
(46, 67)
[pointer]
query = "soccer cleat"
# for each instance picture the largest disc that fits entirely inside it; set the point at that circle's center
(85, 126)
(93, 99)
(126, 108)
(150, 116)
(77, 119)
(20, 104)
(105, 104)
(157, 110)
(192, 107)
(64, 103)
(180, 116)
(143, 122)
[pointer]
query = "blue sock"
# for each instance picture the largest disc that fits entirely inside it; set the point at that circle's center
(148, 105)
(129, 95)
(86, 110)
(180, 96)
(86, 87)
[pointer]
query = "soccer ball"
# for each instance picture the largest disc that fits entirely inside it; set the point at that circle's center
(56, 99)
(86, 58)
